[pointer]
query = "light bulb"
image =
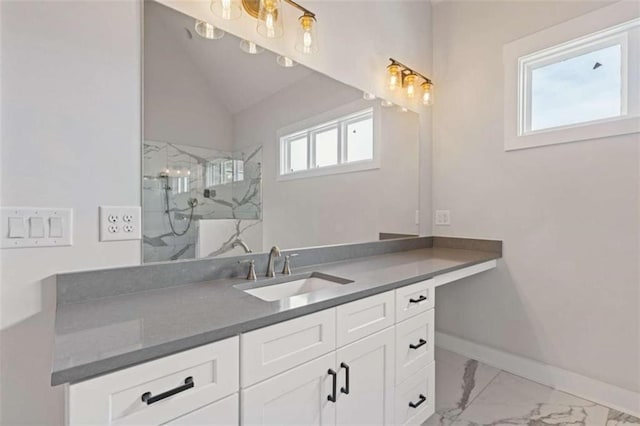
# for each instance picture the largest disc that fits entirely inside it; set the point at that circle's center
(393, 72)
(368, 96)
(271, 30)
(306, 40)
(226, 9)
(208, 31)
(250, 47)
(410, 83)
(427, 94)
(286, 62)
(385, 103)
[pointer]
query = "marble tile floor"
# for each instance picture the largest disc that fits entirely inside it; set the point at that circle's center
(471, 393)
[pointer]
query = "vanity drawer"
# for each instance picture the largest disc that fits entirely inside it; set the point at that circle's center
(197, 377)
(225, 412)
(280, 347)
(414, 344)
(414, 299)
(415, 398)
(364, 317)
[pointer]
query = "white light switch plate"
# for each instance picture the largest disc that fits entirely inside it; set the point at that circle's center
(35, 229)
(118, 223)
(443, 218)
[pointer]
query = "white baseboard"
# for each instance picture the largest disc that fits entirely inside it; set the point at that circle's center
(564, 380)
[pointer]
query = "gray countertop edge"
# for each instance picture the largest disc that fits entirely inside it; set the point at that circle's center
(130, 359)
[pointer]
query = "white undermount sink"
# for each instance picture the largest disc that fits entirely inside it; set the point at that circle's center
(296, 286)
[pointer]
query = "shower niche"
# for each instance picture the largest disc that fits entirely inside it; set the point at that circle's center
(200, 202)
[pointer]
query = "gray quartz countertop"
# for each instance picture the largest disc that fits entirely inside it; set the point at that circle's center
(104, 335)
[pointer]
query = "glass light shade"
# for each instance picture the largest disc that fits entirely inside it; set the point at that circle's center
(410, 85)
(427, 93)
(286, 62)
(270, 19)
(368, 96)
(385, 103)
(208, 31)
(393, 76)
(306, 39)
(250, 47)
(226, 9)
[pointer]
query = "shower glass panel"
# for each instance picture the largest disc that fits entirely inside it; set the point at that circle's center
(185, 187)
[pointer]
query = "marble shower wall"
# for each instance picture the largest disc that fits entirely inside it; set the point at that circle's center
(227, 188)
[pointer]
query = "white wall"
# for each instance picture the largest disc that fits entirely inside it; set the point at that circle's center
(566, 293)
(179, 106)
(339, 208)
(70, 138)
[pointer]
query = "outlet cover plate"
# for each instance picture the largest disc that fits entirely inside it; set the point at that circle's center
(443, 218)
(114, 227)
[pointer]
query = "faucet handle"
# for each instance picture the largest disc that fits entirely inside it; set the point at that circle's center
(251, 275)
(286, 270)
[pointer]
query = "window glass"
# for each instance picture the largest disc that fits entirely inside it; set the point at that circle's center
(327, 147)
(359, 137)
(298, 154)
(577, 89)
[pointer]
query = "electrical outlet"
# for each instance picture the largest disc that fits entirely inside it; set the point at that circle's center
(120, 223)
(443, 218)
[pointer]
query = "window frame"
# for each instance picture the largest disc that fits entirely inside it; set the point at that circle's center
(339, 119)
(602, 28)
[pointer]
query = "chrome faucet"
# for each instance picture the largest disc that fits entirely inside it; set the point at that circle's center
(239, 242)
(275, 252)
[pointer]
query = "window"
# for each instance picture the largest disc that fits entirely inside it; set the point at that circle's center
(223, 171)
(564, 86)
(336, 146)
(577, 89)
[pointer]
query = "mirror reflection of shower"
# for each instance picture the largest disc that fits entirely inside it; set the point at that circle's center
(183, 186)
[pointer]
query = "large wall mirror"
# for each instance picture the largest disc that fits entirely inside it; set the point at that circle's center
(242, 151)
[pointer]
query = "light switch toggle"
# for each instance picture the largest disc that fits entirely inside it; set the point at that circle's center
(36, 227)
(55, 227)
(16, 227)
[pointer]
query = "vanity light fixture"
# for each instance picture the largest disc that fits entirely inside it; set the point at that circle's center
(286, 62)
(270, 19)
(401, 76)
(427, 93)
(306, 39)
(394, 77)
(368, 96)
(208, 31)
(270, 23)
(250, 47)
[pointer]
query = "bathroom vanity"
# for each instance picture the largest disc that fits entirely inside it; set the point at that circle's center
(361, 352)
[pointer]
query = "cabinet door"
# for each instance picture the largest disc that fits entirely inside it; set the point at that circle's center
(220, 413)
(368, 364)
(296, 397)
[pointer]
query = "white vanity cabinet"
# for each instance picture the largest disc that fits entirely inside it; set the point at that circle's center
(355, 381)
(370, 361)
(182, 388)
